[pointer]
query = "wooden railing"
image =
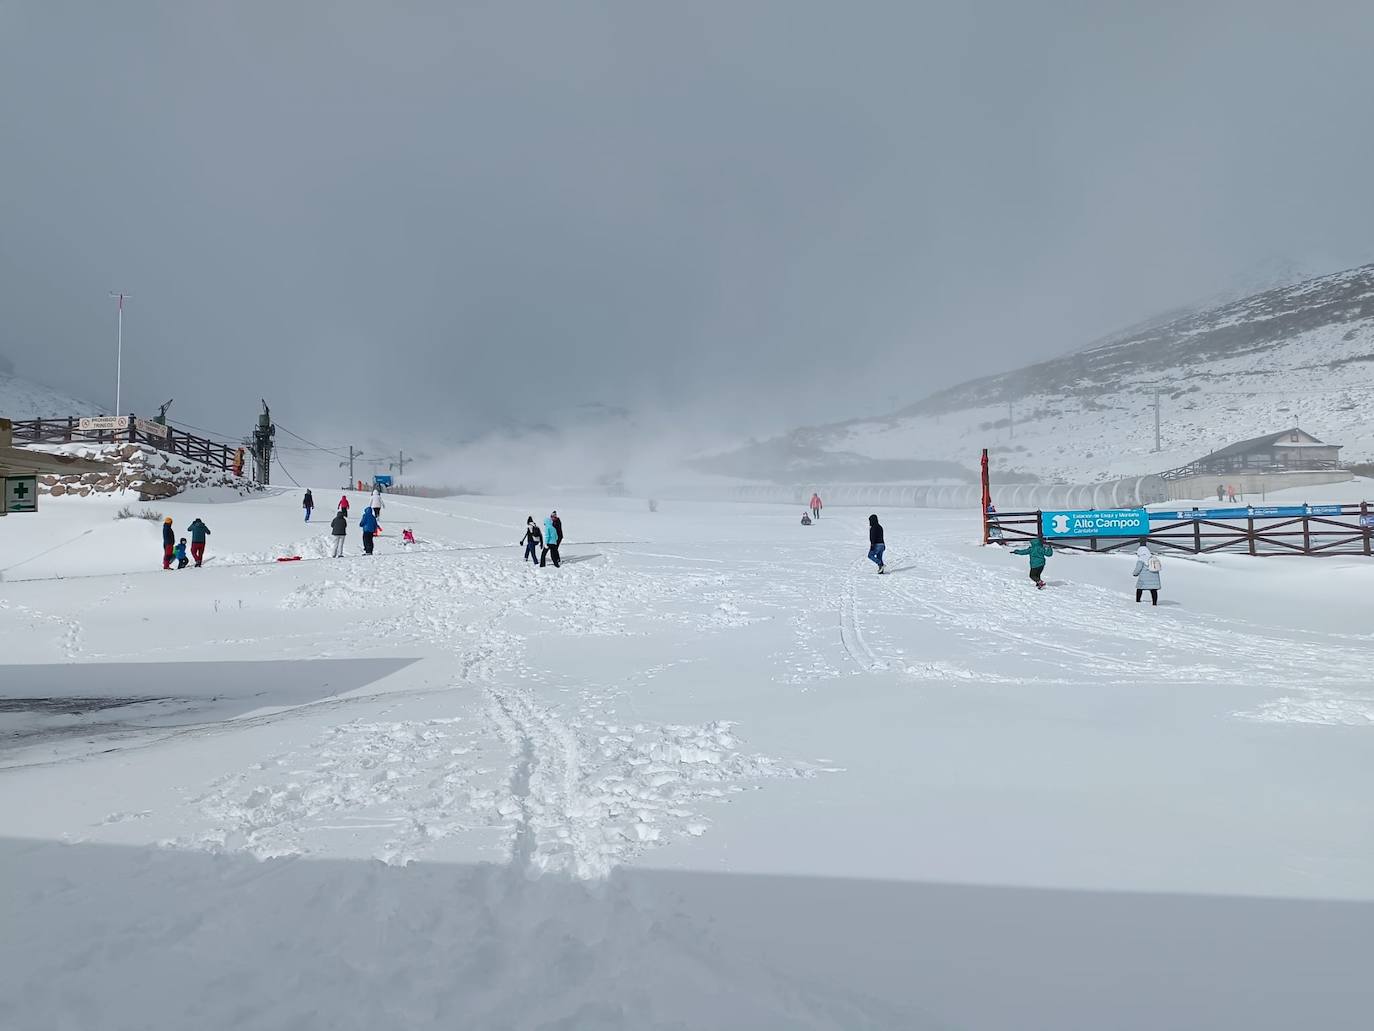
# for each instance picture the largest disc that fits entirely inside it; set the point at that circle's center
(135, 431)
(1318, 531)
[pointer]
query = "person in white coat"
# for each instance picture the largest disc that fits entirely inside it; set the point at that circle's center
(1146, 573)
(376, 502)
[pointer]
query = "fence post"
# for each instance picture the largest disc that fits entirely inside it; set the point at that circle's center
(1197, 535)
(1250, 526)
(1306, 536)
(1364, 524)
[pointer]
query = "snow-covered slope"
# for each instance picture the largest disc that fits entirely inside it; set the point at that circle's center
(1300, 354)
(23, 399)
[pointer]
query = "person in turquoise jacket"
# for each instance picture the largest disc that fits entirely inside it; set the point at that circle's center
(1039, 552)
(550, 544)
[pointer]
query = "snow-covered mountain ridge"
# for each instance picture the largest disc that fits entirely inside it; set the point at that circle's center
(1298, 354)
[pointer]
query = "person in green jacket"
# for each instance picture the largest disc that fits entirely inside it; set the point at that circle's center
(1039, 552)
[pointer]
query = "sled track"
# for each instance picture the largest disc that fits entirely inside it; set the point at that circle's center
(851, 630)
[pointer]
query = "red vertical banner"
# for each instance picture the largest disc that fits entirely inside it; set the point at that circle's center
(987, 495)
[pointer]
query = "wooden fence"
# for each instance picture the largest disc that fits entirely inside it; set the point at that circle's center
(1318, 531)
(135, 431)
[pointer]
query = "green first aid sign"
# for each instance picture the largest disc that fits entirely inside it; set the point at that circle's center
(21, 494)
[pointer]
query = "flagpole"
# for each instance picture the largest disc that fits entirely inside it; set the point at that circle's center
(119, 352)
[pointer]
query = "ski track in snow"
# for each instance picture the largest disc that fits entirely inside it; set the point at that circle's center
(583, 791)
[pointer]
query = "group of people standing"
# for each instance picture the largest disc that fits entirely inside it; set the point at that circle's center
(1226, 492)
(369, 524)
(175, 550)
(546, 540)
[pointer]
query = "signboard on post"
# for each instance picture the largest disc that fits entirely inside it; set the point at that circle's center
(152, 429)
(104, 422)
(381, 480)
(1109, 522)
(21, 494)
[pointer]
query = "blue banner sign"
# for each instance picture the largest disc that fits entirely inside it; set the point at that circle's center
(1255, 511)
(1108, 522)
(382, 481)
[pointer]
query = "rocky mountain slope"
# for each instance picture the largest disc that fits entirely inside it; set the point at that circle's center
(1298, 354)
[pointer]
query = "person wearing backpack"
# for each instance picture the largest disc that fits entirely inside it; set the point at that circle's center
(1146, 573)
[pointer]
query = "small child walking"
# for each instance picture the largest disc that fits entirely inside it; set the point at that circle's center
(179, 553)
(1039, 552)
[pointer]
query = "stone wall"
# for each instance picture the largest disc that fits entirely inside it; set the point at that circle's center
(134, 468)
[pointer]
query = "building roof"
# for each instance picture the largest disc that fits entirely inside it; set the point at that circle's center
(1254, 444)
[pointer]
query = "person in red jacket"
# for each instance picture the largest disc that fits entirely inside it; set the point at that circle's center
(815, 505)
(343, 503)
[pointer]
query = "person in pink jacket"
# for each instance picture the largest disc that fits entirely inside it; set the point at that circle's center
(816, 505)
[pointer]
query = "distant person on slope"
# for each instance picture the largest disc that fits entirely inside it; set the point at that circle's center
(1230, 492)
(376, 502)
(199, 531)
(339, 529)
(1039, 552)
(816, 505)
(308, 504)
(169, 542)
(1221, 492)
(1146, 573)
(551, 542)
(533, 538)
(876, 543)
(343, 503)
(368, 524)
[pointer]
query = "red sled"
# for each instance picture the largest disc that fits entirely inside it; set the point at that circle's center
(290, 558)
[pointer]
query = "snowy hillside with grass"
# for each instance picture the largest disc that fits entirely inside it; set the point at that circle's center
(1300, 354)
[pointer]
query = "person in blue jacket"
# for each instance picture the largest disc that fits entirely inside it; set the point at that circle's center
(368, 524)
(551, 542)
(1039, 552)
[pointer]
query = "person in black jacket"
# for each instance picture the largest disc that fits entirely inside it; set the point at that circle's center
(308, 504)
(876, 544)
(339, 529)
(558, 527)
(169, 541)
(533, 539)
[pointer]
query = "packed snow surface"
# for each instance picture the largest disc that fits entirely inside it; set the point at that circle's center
(713, 772)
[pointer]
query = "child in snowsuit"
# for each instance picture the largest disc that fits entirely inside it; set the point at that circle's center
(343, 503)
(169, 542)
(180, 554)
(1039, 552)
(1146, 573)
(876, 544)
(532, 539)
(806, 519)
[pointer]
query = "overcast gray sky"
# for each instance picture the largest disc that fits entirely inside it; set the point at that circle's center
(437, 217)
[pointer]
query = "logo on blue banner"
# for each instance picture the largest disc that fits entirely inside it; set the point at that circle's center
(1111, 522)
